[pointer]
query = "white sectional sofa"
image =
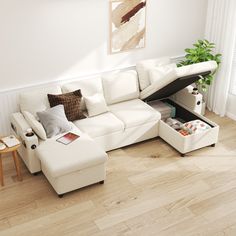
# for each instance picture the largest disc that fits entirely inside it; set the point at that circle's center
(128, 120)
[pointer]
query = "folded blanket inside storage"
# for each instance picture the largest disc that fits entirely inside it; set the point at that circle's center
(174, 123)
(194, 127)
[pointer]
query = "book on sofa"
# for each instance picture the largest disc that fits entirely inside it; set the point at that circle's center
(67, 138)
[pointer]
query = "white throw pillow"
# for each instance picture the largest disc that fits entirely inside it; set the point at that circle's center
(95, 104)
(35, 125)
(159, 72)
(144, 66)
(120, 87)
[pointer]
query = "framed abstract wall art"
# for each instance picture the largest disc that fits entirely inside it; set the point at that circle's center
(127, 25)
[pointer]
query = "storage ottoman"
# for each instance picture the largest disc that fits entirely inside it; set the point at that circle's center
(73, 166)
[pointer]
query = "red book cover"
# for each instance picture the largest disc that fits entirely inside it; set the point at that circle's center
(67, 138)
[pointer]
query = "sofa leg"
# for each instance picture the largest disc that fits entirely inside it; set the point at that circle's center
(101, 182)
(182, 155)
(60, 195)
(213, 145)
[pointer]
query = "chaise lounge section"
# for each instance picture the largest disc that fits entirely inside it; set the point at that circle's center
(70, 167)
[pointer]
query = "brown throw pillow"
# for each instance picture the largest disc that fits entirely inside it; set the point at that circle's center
(71, 102)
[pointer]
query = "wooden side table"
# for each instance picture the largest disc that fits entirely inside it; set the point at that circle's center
(12, 150)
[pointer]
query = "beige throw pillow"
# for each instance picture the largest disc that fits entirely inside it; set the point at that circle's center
(95, 104)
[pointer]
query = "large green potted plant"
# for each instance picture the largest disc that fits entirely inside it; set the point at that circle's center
(202, 51)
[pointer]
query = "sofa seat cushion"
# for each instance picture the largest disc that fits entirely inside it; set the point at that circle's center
(60, 159)
(134, 113)
(100, 125)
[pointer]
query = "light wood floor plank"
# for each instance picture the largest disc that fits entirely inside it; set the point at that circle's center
(35, 227)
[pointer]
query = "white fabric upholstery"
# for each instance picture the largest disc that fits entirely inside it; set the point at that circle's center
(196, 68)
(26, 152)
(64, 159)
(77, 179)
(159, 72)
(134, 113)
(144, 66)
(120, 87)
(37, 100)
(185, 144)
(95, 104)
(128, 136)
(81, 163)
(35, 125)
(88, 87)
(159, 83)
(175, 74)
(100, 125)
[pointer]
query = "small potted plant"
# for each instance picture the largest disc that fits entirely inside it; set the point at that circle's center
(202, 51)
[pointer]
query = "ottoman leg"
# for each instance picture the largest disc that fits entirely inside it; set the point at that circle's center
(60, 195)
(101, 182)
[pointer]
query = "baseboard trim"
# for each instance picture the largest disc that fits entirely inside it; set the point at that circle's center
(231, 115)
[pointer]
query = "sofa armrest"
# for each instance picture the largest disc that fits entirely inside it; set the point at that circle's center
(19, 125)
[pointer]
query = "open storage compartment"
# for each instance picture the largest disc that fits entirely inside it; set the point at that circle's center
(191, 142)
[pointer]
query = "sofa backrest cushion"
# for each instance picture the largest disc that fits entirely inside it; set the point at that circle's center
(88, 87)
(36, 100)
(144, 66)
(119, 87)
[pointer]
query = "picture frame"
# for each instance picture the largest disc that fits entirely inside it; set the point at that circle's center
(127, 25)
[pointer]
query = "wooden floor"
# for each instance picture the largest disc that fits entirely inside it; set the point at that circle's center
(149, 190)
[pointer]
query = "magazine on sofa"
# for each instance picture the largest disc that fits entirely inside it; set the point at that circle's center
(67, 138)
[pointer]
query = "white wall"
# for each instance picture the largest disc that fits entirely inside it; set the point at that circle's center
(48, 40)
